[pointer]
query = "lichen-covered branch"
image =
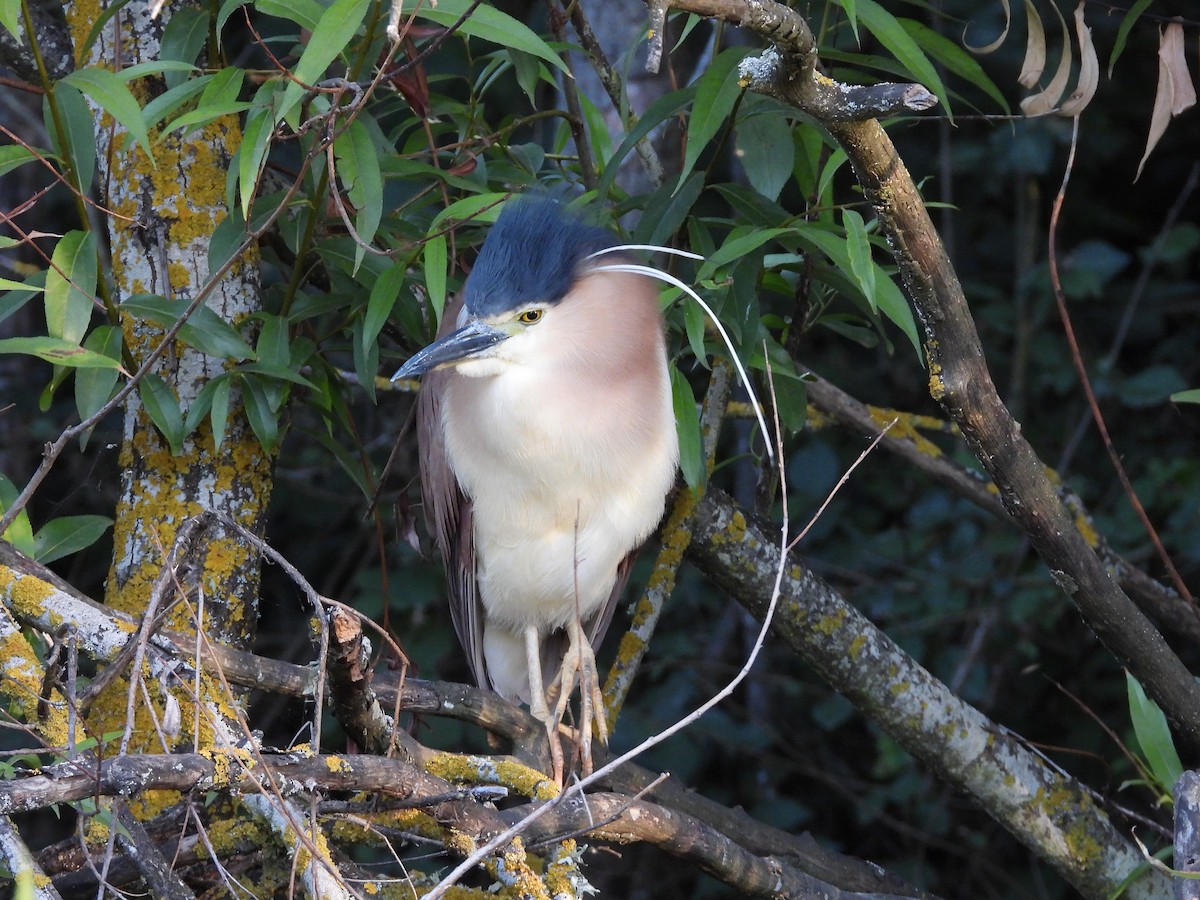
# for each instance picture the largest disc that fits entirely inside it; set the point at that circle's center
(1170, 612)
(1049, 813)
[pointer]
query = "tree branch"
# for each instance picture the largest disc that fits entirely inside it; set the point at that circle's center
(953, 738)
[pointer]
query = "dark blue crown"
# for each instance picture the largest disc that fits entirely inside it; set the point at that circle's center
(532, 254)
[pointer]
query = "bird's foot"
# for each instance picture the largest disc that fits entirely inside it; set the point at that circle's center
(579, 665)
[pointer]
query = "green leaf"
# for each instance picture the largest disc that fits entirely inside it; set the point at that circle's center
(70, 286)
(766, 152)
(740, 242)
(251, 154)
(264, 420)
(717, 90)
(68, 534)
(660, 110)
(78, 145)
(94, 387)
(205, 329)
(335, 29)
(20, 532)
(666, 211)
(687, 422)
(10, 17)
(358, 169)
(1127, 23)
(954, 58)
(889, 32)
(272, 343)
(220, 98)
(858, 247)
(305, 13)
(169, 101)
(110, 92)
(434, 261)
(7, 284)
(183, 39)
(1189, 396)
(489, 24)
(57, 351)
(279, 373)
(15, 156)
(477, 208)
(162, 406)
(384, 294)
(1153, 736)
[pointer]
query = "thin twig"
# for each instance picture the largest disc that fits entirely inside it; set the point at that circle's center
(1060, 298)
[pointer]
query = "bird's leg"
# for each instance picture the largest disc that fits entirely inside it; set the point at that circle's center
(580, 662)
(537, 700)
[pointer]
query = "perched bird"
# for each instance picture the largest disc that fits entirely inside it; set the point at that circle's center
(548, 446)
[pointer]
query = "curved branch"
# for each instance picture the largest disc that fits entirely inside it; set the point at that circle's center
(953, 738)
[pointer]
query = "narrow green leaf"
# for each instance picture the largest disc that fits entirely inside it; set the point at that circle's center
(858, 247)
(57, 351)
(220, 98)
(889, 32)
(358, 169)
(251, 154)
(154, 67)
(205, 329)
(740, 242)
(169, 101)
(660, 110)
(94, 387)
(766, 152)
(66, 535)
(434, 261)
(890, 301)
(280, 373)
(71, 286)
(384, 294)
(220, 410)
(78, 145)
(305, 13)
(335, 29)
(477, 208)
(851, 8)
(1189, 396)
(15, 156)
(10, 18)
(1153, 735)
(350, 464)
(366, 362)
(1127, 23)
(162, 406)
(954, 58)
(110, 92)
(489, 24)
(687, 422)
(264, 421)
(717, 91)
(272, 343)
(183, 39)
(7, 284)
(20, 532)
(667, 210)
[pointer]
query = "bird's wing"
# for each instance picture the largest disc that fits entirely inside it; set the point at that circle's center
(448, 512)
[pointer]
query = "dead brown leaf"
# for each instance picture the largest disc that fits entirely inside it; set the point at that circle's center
(1175, 91)
(1035, 48)
(1089, 69)
(994, 45)
(1044, 102)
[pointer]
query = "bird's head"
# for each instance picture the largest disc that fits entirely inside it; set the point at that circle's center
(527, 269)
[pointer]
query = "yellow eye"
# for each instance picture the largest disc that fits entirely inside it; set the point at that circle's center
(530, 316)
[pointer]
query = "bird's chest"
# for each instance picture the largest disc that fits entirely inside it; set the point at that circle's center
(535, 450)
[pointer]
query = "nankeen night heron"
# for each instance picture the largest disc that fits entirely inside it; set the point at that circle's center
(548, 446)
